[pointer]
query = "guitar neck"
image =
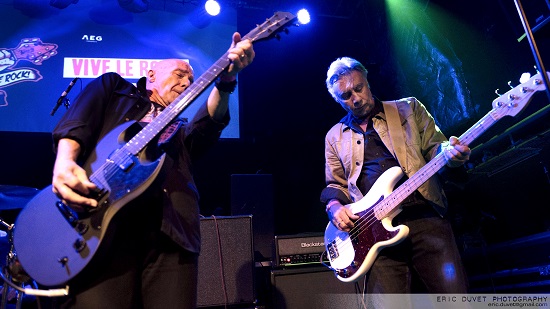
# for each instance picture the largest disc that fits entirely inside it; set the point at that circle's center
(392, 201)
(268, 29)
(140, 140)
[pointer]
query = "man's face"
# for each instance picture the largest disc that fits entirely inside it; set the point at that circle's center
(170, 78)
(353, 93)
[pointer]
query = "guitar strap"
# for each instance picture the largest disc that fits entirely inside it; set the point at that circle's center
(396, 131)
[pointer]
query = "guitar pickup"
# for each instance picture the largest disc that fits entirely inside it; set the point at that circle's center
(69, 214)
(124, 162)
(72, 217)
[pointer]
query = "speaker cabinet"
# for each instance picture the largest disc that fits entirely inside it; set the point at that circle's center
(311, 287)
(226, 262)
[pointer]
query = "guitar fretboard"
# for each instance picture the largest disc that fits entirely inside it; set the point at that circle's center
(509, 104)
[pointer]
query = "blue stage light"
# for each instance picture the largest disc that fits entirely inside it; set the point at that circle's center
(212, 7)
(303, 16)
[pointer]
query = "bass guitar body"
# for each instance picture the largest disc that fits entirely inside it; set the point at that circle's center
(52, 242)
(352, 254)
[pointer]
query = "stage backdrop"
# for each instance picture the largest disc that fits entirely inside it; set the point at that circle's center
(43, 48)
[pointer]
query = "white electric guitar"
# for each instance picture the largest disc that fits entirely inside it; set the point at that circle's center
(352, 254)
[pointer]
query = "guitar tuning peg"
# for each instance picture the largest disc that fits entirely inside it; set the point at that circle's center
(510, 84)
(496, 91)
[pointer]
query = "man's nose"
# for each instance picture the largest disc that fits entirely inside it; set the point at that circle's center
(356, 100)
(185, 82)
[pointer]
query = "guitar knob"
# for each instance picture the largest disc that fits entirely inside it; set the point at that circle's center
(79, 244)
(81, 228)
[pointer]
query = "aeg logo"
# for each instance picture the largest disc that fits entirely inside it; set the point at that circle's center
(92, 38)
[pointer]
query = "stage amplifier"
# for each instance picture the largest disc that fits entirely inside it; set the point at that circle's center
(299, 249)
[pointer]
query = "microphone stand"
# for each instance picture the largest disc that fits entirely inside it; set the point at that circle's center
(5, 286)
(533, 44)
(66, 102)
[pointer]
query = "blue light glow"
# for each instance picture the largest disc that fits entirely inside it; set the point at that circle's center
(212, 7)
(303, 16)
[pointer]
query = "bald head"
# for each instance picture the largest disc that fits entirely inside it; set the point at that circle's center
(168, 79)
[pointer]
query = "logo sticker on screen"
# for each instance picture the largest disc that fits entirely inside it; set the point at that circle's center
(32, 50)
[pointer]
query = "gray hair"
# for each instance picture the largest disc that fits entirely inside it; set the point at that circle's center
(342, 66)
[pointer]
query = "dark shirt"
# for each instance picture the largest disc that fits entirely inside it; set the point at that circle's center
(377, 157)
(109, 101)
(377, 160)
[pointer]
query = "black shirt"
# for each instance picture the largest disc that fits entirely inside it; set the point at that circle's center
(109, 101)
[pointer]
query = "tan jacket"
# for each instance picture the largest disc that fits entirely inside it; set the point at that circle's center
(344, 152)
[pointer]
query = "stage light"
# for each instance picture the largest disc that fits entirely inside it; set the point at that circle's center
(524, 77)
(303, 16)
(212, 7)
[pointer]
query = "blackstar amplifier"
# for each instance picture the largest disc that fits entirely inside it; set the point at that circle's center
(299, 249)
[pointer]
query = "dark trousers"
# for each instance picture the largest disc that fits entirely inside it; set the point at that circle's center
(142, 268)
(429, 253)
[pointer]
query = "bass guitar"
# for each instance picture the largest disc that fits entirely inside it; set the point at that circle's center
(352, 254)
(53, 243)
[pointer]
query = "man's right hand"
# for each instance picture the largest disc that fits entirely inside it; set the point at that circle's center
(341, 216)
(70, 182)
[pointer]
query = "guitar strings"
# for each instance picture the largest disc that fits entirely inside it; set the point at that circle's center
(384, 207)
(434, 165)
(106, 169)
(138, 142)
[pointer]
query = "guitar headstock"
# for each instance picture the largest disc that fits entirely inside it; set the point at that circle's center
(515, 100)
(34, 50)
(271, 27)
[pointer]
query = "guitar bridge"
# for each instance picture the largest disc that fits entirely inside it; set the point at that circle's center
(99, 195)
(332, 250)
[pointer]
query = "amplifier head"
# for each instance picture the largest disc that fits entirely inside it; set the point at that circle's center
(299, 249)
